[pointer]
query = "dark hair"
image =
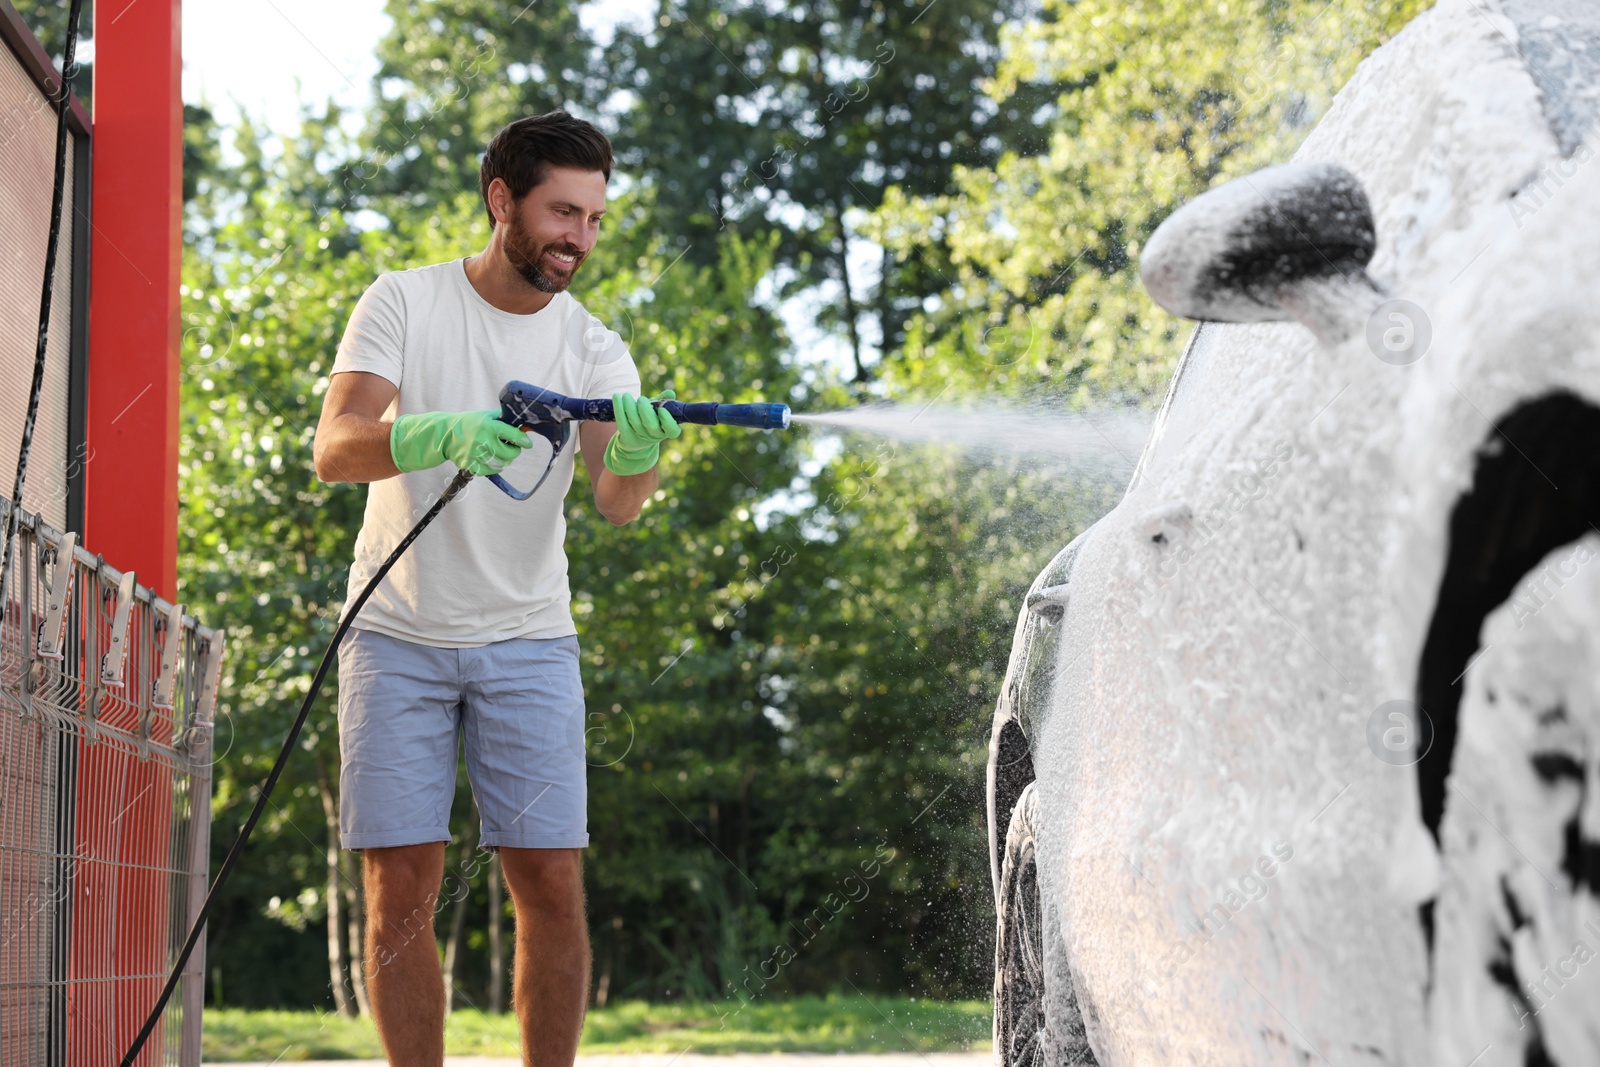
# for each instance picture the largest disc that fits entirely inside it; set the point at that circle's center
(521, 152)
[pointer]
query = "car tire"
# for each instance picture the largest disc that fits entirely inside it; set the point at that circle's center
(1037, 1019)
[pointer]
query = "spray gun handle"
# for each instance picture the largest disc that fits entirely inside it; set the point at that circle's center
(530, 408)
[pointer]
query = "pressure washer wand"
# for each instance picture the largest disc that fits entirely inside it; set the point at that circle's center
(551, 415)
(529, 406)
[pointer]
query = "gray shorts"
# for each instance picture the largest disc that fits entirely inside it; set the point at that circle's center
(518, 704)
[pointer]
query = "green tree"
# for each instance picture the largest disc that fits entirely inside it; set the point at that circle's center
(1153, 101)
(451, 73)
(797, 118)
(265, 544)
(791, 120)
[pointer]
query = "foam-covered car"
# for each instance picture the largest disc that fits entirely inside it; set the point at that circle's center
(1297, 760)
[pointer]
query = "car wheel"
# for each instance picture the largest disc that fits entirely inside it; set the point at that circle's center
(1037, 1021)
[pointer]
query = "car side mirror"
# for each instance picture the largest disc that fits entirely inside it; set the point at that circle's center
(1286, 242)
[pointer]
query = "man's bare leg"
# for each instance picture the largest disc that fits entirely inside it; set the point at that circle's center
(403, 979)
(550, 979)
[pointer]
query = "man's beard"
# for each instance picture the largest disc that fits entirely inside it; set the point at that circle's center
(528, 258)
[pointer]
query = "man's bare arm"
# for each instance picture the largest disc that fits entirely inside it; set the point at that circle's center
(617, 497)
(352, 440)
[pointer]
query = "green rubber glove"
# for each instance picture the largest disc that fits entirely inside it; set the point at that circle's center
(641, 427)
(475, 441)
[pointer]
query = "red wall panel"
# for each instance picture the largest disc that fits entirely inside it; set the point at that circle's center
(131, 486)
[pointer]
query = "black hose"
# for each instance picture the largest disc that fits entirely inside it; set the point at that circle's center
(460, 481)
(57, 202)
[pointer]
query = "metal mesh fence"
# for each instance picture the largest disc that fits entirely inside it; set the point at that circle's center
(28, 142)
(107, 697)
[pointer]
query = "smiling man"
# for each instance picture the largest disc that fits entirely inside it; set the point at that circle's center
(470, 635)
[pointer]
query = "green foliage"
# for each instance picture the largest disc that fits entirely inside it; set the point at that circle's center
(265, 544)
(738, 116)
(451, 73)
(796, 119)
(1152, 101)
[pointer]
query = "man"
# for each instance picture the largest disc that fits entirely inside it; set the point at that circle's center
(471, 632)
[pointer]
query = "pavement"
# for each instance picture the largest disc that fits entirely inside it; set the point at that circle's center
(763, 1059)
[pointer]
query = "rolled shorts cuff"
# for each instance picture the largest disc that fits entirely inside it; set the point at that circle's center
(495, 839)
(394, 838)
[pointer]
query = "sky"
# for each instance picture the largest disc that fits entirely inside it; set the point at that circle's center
(269, 56)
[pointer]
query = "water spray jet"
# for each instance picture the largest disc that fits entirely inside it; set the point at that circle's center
(1114, 435)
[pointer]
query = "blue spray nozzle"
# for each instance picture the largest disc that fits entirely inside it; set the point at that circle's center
(755, 416)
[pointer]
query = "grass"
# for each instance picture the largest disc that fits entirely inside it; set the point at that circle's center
(835, 1023)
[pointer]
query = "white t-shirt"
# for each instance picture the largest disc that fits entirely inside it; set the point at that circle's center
(488, 568)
